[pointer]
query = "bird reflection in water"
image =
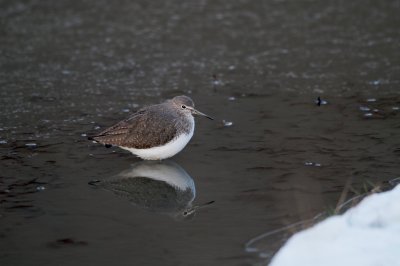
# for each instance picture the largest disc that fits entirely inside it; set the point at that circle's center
(159, 186)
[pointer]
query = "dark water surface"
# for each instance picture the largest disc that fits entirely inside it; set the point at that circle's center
(70, 69)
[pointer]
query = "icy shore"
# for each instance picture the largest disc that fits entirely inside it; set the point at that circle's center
(367, 235)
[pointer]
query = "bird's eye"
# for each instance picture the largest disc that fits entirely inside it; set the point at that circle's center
(185, 213)
(183, 106)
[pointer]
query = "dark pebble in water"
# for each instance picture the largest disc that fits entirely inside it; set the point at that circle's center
(320, 101)
(67, 242)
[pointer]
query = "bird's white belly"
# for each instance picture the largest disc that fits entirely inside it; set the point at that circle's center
(165, 151)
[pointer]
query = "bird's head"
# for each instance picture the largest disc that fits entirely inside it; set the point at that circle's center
(186, 105)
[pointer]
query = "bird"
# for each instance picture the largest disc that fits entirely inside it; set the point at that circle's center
(155, 132)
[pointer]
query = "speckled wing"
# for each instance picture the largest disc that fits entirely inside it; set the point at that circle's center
(145, 129)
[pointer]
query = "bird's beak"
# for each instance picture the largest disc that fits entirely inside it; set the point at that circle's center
(195, 112)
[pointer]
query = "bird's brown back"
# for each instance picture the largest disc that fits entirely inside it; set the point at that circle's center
(149, 127)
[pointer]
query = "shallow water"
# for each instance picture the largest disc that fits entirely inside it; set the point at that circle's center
(271, 158)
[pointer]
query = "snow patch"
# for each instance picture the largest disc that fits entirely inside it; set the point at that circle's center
(367, 235)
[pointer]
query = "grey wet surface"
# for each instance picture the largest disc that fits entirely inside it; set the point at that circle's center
(67, 70)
